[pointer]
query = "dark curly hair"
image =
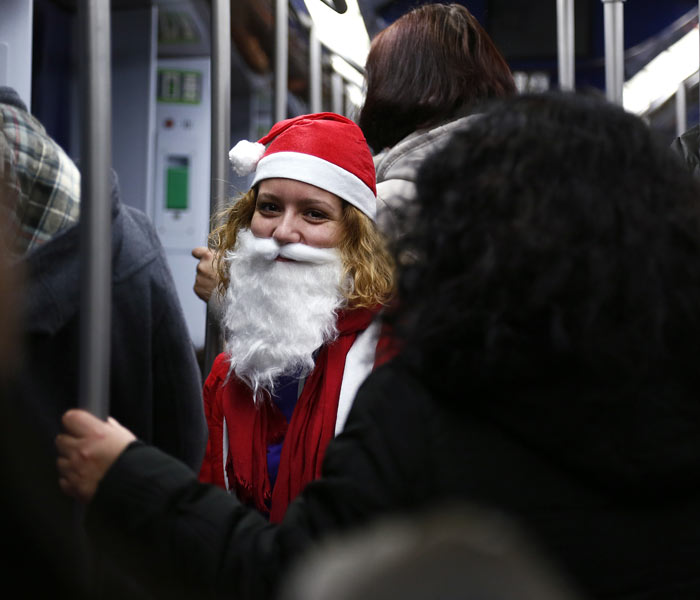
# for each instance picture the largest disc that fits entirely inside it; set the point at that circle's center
(429, 66)
(555, 238)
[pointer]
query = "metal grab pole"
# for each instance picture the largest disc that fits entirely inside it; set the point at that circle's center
(281, 59)
(220, 141)
(96, 207)
(336, 93)
(565, 44)
(314, 70)
(681, 109)
(614, 50)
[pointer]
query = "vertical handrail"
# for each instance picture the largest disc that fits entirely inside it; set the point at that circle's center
(614, 50)
(565, 44)
(336, 93)
(315, 74)
(220, 142)
(681, 109)
(96, 207)
(281, 58)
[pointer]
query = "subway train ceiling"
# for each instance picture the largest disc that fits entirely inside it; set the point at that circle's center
(524, 30)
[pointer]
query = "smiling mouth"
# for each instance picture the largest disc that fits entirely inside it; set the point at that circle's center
(283, 259)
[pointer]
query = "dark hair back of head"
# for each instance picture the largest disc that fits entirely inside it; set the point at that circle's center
(431, 64)
(556, 238)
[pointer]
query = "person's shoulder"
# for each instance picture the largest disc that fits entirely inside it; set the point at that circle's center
(401, 161)
(389, 384)
(221, 363)
(394, 371)
(219, 370)
(137, 244)
(356, 319)
(687, 146)
(138, 225)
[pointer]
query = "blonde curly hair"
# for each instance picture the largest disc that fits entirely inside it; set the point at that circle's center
(363, 249)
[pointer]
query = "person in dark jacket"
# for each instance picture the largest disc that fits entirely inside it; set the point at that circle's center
(155, 382)
(550, 329)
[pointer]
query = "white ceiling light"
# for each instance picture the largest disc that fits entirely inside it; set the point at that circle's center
(344, 34)
(347, 71)
(355, 95)
(660, 78)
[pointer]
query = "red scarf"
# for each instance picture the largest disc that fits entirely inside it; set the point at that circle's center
(251, 429)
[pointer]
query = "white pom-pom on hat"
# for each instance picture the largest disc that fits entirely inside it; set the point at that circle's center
(245, 155)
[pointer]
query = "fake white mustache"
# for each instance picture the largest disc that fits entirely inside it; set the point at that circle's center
(270, 249)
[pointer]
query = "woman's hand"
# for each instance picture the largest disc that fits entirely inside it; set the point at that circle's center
(205, 281)
(87, 450)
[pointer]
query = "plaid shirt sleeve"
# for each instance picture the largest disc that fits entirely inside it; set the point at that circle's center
(47, 182)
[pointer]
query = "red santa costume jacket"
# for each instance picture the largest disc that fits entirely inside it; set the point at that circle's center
(240, 432)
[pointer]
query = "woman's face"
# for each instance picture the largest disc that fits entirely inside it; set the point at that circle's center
(290, 211)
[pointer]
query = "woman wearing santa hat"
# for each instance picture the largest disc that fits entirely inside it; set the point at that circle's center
(302, 273)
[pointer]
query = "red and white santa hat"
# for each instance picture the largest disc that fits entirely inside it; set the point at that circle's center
(323, 149)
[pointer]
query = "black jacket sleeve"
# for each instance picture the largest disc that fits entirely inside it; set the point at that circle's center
(197, 540)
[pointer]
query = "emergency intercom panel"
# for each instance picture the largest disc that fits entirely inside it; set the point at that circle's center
(181, 199)
(182, 176)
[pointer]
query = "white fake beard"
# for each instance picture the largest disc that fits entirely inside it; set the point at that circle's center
(278, 313)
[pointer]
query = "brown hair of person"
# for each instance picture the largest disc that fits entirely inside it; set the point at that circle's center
(366, 258)
(431, 65)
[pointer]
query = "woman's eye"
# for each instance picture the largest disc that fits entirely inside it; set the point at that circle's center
(268, 207)
(316, 215)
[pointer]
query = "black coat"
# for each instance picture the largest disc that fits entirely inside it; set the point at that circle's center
(155, 381)
(613, 502)
(155, 387)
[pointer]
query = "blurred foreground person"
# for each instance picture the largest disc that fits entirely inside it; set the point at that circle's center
(446, 552)
(32, 519)
(155, 383)
(550, 331)
(303, 272)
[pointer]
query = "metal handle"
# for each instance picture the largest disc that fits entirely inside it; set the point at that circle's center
(96, 209)
(281, 58)
(614, 50)
(220, 141)
(565, 44)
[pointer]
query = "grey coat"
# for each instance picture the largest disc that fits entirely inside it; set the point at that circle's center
(156, 384)
(397, 168)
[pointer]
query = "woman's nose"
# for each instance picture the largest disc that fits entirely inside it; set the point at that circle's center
(287, 230)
